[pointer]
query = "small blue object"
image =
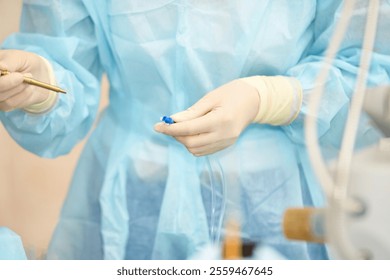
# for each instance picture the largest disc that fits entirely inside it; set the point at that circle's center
(167, 120)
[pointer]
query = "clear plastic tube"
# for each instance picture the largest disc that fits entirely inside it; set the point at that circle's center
(216, 175)
(340, 203)
(311, 132)
(337, 193)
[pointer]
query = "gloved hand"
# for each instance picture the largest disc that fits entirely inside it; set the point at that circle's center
(14, 94)
(217, 120)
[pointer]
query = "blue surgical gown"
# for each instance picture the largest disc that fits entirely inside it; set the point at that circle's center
(137, 194)
(11, 246)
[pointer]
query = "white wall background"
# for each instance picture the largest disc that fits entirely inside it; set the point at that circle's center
(31, 189)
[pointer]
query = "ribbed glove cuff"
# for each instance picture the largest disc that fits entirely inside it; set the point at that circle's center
(280, 99)
(52, 97)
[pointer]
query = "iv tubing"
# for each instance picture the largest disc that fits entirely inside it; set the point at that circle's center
(340, 202)
(311, 133)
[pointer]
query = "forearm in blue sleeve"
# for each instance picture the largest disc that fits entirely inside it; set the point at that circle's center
(340, 83)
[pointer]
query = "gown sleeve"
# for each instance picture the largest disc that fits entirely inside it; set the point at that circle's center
(341, 80)
(62, 32)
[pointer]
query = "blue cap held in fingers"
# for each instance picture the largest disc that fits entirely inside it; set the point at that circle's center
(167, 120)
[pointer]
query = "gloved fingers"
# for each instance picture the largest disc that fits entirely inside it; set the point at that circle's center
(195, 141)
(216, 120)
(3, 66)
(200, 108)
(211, 148)
(14, 60)
(14, 91)
(203, 124)
(8, 60)
(10, 81)
(17, 101)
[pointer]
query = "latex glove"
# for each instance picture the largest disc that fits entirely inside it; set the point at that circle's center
(215, 121)
(14, 94)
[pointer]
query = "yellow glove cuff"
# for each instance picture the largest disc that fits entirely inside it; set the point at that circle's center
(280, 99)
(52, 97)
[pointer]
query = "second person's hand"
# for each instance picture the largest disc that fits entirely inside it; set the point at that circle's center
(14, 94)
